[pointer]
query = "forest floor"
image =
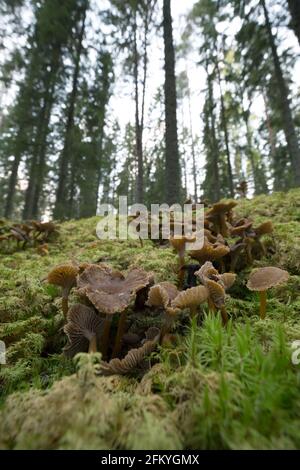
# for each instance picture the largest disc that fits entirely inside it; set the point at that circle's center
(229, 388)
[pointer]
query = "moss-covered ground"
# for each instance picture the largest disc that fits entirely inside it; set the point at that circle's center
(231, 388)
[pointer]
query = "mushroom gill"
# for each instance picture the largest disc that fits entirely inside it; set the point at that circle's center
(83, 329)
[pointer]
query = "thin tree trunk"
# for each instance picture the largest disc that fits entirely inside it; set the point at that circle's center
(215, 149)
(61, 192)
(294, 7)
(173, 183)
(226, 136)
(12, 185)
(192, 141)
(283, 96)
(138, 128)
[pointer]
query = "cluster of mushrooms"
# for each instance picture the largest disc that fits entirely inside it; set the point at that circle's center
(101, 319)
(31, 233)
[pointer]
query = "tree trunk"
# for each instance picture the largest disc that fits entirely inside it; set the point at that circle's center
(294, 7)
(226, 137)
(138, 127)
(173, 183)
(283, 97)
(12, 185)
(65, 159)
(192, 142)
(215, 147)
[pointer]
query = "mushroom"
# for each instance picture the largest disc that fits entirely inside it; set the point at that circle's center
(210, 252)
(64, 276)
(190, 298)
(161, 295)
(133, 358)
(217, 215)
(262, 279)
(84, 329)
(179, 244)
(216, 284)
(263, 229)
(111, 292)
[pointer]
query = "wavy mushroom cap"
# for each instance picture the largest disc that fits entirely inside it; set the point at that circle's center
(190, 297)
(264, 228)
(221, 208)
(63, 275)
(265, 278)
(160, 295)
(178, 243)
(207, 272)
(109, 290)
(82, 325)
(209, 252)
(240, 229)
(133, 358)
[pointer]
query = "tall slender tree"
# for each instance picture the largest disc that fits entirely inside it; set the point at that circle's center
(173, 183)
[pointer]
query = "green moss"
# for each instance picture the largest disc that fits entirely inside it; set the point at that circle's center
(219, 388)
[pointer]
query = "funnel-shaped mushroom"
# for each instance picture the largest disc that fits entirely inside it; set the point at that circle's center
(209, 252)
(190, 298)
(111, 292)
(84, 330)
(179, 244)
(161, 295)
(65, 277)
(133, 358)
(263, 229)
(263, 279)
(217, 284)
(217, 215)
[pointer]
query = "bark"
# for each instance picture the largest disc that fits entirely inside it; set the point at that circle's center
(283, 97)
(294, 7)
(171, 138)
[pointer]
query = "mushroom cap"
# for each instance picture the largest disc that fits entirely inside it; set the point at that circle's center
(178, 243)
(264, 278)
(207, 272)
(160, 295)
(82, 324)
(264, 228)
(209, 252)
(221, 208)
(190, 297)
(240, 229)
(63, 275)
(133, 358)
(109, 290)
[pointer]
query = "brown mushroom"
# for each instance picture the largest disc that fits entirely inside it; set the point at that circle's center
(190, 298)
(161, 295)
(111, 292)
(263, 229)
(179, 244)
(64, 276)
(263, 279)
(84, 330)
(217, 215)
(133, 358)
(216, 284)
(209, 252)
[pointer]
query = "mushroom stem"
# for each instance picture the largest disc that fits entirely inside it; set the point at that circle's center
(105, 336)
(263, 304)
(120, 333)
(93, 344)
(65, 305)
(210, 304)
(224, 315)
(193, 310)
